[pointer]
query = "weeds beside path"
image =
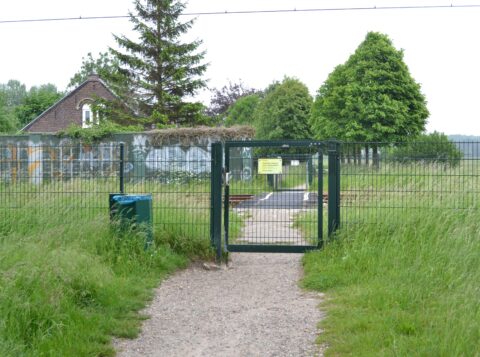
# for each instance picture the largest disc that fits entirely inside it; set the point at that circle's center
(253, 308)
(408, 286)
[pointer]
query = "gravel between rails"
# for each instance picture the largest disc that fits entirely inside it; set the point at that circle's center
(253, 307)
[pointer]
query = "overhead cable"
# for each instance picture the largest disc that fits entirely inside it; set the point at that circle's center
(267, 11)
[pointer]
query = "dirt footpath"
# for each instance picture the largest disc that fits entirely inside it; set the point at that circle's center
(253, 308)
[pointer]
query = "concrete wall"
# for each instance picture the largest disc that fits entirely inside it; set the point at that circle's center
(38, 157)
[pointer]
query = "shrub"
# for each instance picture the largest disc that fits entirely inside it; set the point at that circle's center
(428, 148)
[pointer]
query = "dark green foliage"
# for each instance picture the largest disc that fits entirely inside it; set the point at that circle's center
(97, 132)
(18, 107)
(160, 70)
(223, 99)
(372, 97)
(36, 101)
(242, 112)
(428, 149)
(14, 91)
(284, 112)
(104, 66)
(12, 94)
(467, 144)
(8, 121)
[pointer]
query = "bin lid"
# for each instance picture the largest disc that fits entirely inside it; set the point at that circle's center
(131, 198)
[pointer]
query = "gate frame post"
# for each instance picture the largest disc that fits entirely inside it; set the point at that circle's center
(121, 168)
(320, 242)
(216, 199)
(333, 186)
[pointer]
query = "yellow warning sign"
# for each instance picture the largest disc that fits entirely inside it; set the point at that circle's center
(269, 166)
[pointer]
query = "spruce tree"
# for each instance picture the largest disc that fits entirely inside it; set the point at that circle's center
(161, 70)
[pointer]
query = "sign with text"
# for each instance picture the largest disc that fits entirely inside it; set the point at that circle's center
(269, 166)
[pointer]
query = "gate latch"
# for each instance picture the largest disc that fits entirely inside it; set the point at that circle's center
(226, 180)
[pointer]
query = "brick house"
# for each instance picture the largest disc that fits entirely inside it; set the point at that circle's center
(74, 108)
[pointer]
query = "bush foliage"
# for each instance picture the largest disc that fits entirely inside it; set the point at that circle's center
(428, 148)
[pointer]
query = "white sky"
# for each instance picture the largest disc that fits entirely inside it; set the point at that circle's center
(442, 47)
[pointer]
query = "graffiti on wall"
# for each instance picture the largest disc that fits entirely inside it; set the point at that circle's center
(37, 162)
(38, 159)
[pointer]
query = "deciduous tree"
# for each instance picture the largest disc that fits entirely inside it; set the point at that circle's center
(371, 97)
(242, 111)
(35, 102)
(105, 65)
(284, 112)
(14, 93)
(434, 148)
(223, 98)
(8, 122)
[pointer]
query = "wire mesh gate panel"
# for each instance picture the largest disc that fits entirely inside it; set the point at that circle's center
(273, 198)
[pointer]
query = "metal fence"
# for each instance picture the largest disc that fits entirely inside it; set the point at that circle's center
(63, 183)
(379, 181)
(41, 185)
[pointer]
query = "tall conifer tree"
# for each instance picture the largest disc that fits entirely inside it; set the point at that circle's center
(162, 71)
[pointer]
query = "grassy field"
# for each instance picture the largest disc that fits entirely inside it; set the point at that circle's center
(68, 281)
(403, 281)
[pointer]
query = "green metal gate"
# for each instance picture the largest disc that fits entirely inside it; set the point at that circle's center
(273, 196)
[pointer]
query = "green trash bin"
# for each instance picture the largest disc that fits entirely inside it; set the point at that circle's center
(133, 211)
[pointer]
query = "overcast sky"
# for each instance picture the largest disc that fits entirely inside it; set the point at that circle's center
(442, 47)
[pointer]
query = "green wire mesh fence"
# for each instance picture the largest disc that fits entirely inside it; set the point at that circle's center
(51, 185)
(56, 184)
(380, 180)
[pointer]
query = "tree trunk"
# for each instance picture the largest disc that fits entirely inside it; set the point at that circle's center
(358, 150)
(366, 155)
(375, 157)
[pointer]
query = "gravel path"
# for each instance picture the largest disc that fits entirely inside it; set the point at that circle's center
(252, 308)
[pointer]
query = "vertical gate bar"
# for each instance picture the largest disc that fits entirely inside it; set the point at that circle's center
(320, 198)
(121, 168)
(212, 196)
(216, 200)
(333, 186)
(226, 217)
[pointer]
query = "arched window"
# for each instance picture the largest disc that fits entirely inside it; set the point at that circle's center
(87, 116)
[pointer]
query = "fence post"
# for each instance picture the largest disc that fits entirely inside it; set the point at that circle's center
(216, 200)
(122, 168)
(333, 186)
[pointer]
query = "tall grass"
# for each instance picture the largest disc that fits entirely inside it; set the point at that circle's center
(68, 281)
(406, 285)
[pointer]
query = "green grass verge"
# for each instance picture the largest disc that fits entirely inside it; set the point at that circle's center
(68, 282)
(405, 286)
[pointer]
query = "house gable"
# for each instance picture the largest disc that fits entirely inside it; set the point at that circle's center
(68, 110)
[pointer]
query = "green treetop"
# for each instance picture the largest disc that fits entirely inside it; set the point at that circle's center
(162, 71)
(284, 112)
(372, 97)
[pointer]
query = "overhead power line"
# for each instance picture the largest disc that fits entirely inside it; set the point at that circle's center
(246, 12)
